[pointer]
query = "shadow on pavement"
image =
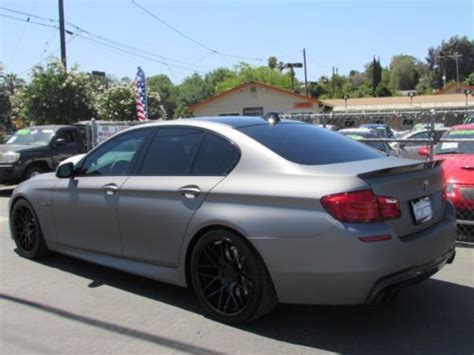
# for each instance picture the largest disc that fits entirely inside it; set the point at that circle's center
(435, 317)
(155, 339)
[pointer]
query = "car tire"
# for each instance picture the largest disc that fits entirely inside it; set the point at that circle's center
(32, 171)
(230, 279)
(26, 231)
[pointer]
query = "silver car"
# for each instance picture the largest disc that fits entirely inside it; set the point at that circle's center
(246, 211)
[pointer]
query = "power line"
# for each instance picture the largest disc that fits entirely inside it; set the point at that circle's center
(200, 44)
(84, 34)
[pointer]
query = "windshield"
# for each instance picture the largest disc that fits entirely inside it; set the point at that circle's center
(309, 145)
(456, 147)
(32, 136)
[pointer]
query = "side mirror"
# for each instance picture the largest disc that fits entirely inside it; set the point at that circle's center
(59, 142)
(65, 171)
(423, 151)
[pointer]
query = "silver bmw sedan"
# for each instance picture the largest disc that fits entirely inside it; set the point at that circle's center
(246, 211)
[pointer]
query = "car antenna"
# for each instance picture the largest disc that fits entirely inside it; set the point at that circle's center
(272, 117)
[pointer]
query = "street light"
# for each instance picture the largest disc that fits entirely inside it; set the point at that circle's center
(291, 66)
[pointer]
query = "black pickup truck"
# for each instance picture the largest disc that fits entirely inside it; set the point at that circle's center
(35, 150)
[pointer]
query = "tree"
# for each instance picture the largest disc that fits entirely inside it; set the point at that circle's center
(404, 72)
(441, 63)
(373, 74)
(244, 73)
(168, 93)
(117, 104)
(383, 88)
(193, 90)
(55, 97)
(470, 79)
(5, 107)
(272, 62)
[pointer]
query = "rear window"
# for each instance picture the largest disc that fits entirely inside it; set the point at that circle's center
(309, 145)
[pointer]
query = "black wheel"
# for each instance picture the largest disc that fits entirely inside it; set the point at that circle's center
(230, 279)
(32, 171)
(26, 231)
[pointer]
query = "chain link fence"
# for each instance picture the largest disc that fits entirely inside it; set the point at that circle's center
(420, 135)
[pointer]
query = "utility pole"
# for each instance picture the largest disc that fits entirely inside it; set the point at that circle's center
(456, 57)
(305, 73)
(62, 33)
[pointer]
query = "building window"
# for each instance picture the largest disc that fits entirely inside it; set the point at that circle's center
(252, 111)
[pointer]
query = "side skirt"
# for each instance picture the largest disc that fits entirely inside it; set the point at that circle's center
(174, 276)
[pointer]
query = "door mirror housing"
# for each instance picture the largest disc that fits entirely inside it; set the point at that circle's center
(65, 171)
(59, 142)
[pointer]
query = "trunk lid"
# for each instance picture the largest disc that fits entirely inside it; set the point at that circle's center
(407, 180)
(410, 184)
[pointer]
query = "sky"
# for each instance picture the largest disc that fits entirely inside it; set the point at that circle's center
(341, 33)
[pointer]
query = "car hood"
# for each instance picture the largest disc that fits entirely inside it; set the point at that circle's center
(458, 168)
(18, 147)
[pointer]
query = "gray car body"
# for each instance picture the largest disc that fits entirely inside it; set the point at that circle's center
(148, 228)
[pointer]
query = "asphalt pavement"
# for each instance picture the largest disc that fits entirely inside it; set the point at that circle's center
(64, 305)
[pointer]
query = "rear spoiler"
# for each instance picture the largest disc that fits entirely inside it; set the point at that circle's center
(402, 169)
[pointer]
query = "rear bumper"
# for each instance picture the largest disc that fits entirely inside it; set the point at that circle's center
(336, 268)
(409, 277)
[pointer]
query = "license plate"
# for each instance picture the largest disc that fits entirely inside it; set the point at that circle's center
(422, 210)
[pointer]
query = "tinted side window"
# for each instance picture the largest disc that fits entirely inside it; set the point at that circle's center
(420, 135)
(216, 157)
(171, 152)
(309, 145)
(114, 157)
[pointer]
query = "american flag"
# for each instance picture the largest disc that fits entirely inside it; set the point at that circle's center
(140, 96)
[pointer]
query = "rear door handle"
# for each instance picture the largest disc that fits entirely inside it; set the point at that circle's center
(190, 191)
(110, 189)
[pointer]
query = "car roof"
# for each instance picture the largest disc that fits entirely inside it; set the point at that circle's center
(365, 134)
(463, 127)
(239, 121)
(374, 125)
(52, 126)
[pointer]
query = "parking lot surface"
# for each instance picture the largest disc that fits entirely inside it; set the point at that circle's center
(63, 305)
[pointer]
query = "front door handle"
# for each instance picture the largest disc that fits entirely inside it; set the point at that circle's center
(190, 191)
(110, 189)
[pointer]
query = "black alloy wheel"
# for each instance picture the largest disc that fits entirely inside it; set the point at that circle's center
(26, 231)
(230, 279)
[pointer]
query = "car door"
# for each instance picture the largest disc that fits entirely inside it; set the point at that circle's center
(64, 144)
(85, 206)
(177, 171)
(409, 150)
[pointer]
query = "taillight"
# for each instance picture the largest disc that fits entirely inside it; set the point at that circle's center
(361, 207)
(389, 207)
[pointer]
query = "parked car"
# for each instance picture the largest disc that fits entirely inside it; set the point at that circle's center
(409, 150)
(458, 166)
(246, 211)
(382, 130)
(35, 150)
(359, 134)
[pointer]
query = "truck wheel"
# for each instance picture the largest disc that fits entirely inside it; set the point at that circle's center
(32, 171)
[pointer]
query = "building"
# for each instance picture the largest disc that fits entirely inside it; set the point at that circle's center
(400, 112)
(255, 99)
